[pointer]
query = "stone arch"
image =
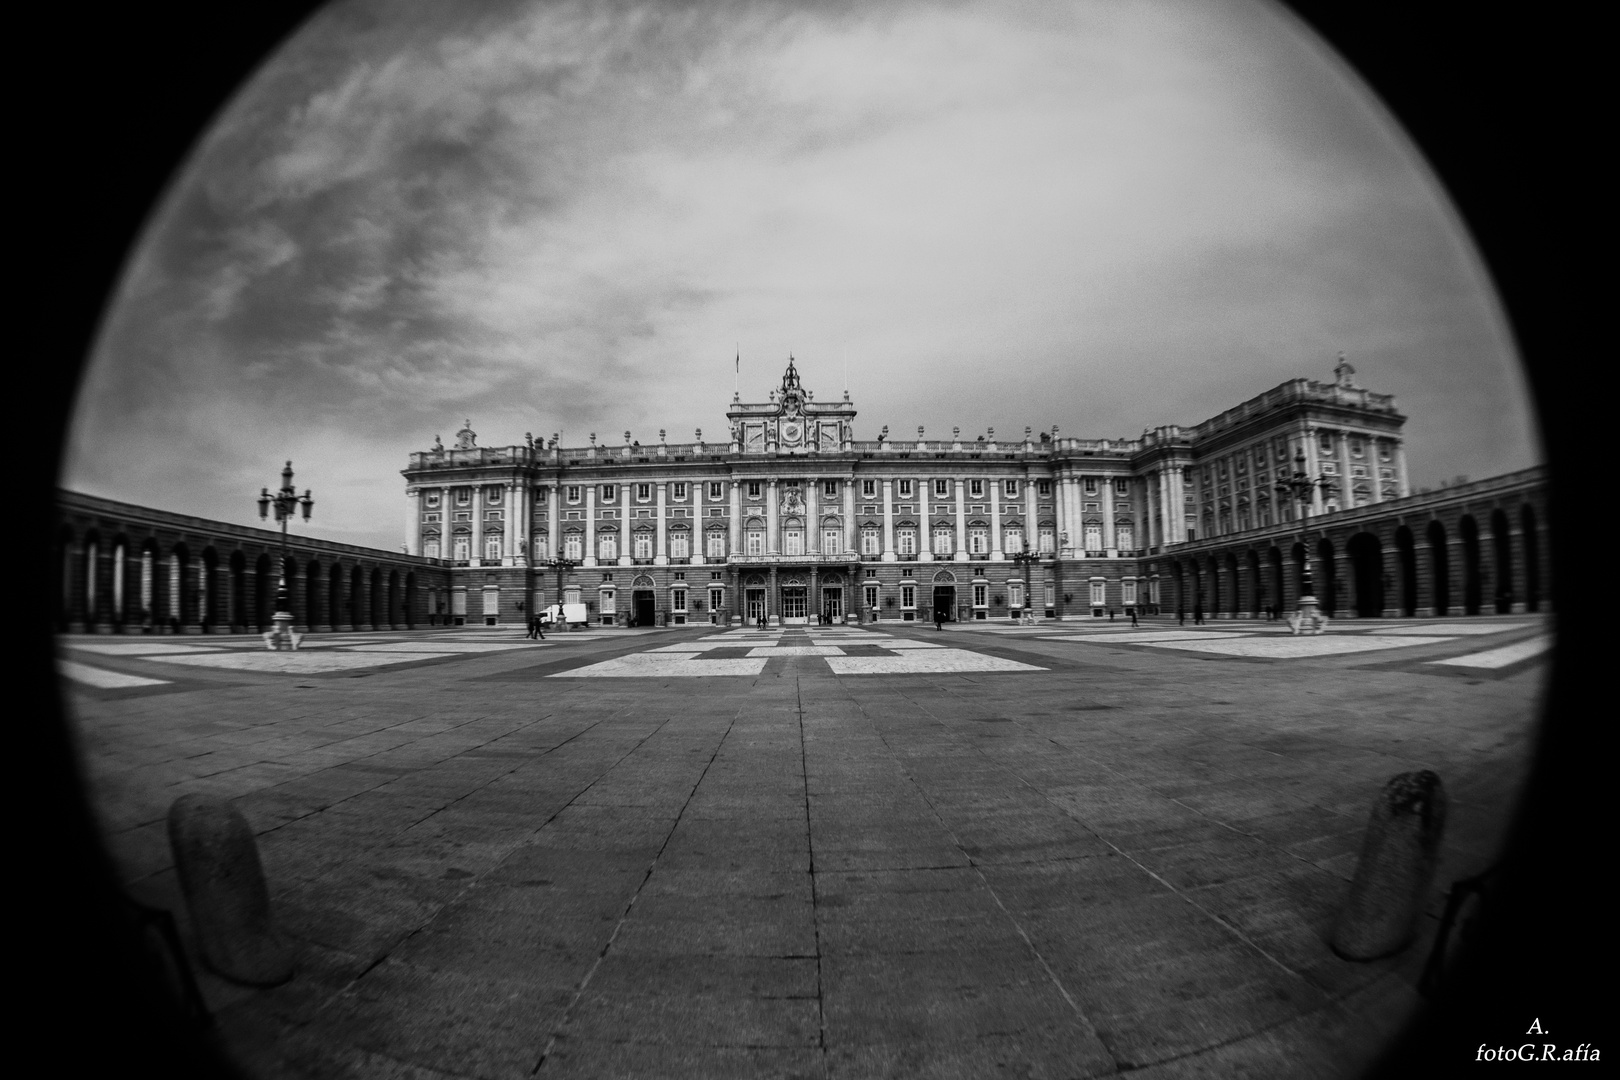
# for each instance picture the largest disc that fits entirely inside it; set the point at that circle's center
(89, 604)
(1366, 554)
(1468, 530)
(945, 577)
(264, 592)
(1234, 586)
(1213, 568)
(1297, 555)
(1502, 550)
(67, 576)
(1195, 587)
(182, 604)
(313, 608)
(356, 598)
(1327, 585)
(210, 593)
(394, 620)
(1257, 584)
(239, 597)
(290, 569)
(1532, 558)
(1178, 580)
(642, 581)
(1439, 569)
(1406, 562)
(1278, 597)
(376, 617)
(410, 600)
(334, 597)
(119, 609)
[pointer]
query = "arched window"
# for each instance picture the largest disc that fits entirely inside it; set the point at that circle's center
(944, 540)
(978, 539)
(573, 545)
(1012, 539)
(492, 547)
(607, 546)
(716, 544)
(871, 540)
(793, 536)
(832, 536)
(905, 539)
(643, 543)
(680, 544)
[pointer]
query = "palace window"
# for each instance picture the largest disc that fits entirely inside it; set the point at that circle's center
(1012, 540)
(829, 489)
(430, 547)
(976, 488)
(793, 540)
(1128, 587)
(1043, 487)
(492, 547)
(756, 541)
(1383, 451)
(540, 552)
(906, 541)
(717, 599)
(677, 599)
(573, 546)
(1125, 537)
(942, 488)
(1051, 594)
(433, 496)
(716, 544)
(905, 489)
(680, 544)
(492, 515)
(943, 541)
(832, 541)
(871, 596)
(1099, 593)
(1094, 540)
(908, 596)
(1355, 447)
(1009, 489)
(753, 489)
(462, 547)
(607, 546)
(1122, 487)
(680, 492)
(573, 493)
(869, 488)
(1046, 539)
(716, 489)
(871, 541)
(463, 497)
(430, 519)
(981, 595)
(1091, 485)
(1015, 594)
(978, 540)
(609, 492)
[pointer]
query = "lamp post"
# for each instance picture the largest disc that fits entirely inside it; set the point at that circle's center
(560, 564)
(285, 503)
(1300, 488)
(1025, 560)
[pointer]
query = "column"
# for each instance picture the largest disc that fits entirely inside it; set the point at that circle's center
(961, 521)
(812, 523)
(996, 554)
(624, 526)
(849, 512)
(521, 548)
(888, 521)
(510, 502)
(1031, 509)
(590, 527)
(553, 526)
(660, 552)
(413, 521)
(1346, 495)
(477, 551)
(1311, 470)
(736, 520)
(773, 520)
(1107, 483)
(1400, 468)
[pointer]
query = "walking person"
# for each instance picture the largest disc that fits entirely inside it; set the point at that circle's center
(939, 618)
(1198, 615)
(1134, 623)
(1181, 616)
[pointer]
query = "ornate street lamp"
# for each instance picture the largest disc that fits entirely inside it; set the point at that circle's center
(561, 564)
(1026, 560)
(285, 503)
(1300, 488)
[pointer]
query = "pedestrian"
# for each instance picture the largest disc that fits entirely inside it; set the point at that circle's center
(1198, 616)
(939, 618)
(1134, 623)
(1110, 614)
(1181, 616)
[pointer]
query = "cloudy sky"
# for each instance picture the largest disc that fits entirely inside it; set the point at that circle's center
(568, 217)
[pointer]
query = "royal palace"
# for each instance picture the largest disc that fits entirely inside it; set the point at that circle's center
(791, 517)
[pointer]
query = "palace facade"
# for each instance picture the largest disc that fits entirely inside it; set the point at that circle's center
(791, 517)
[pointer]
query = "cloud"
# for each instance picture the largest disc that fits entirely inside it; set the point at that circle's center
(568, 216)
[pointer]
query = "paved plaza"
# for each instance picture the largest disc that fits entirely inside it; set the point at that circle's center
(1064, 850)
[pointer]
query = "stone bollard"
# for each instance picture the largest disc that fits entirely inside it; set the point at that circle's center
(1398, 859)
(217, 859)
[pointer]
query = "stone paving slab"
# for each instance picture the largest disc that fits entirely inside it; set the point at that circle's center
(1066, 872)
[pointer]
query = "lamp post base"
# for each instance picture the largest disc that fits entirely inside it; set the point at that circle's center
(282, 637)
(1308, 619)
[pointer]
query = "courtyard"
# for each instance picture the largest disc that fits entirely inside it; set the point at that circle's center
(1063, 850)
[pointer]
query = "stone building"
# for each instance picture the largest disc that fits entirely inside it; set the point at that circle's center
(790, 516)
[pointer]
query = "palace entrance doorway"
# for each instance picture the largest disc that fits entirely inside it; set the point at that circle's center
(795, 604)
(644, 609)
(945, 602)
(832, 604)
(754, 604)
